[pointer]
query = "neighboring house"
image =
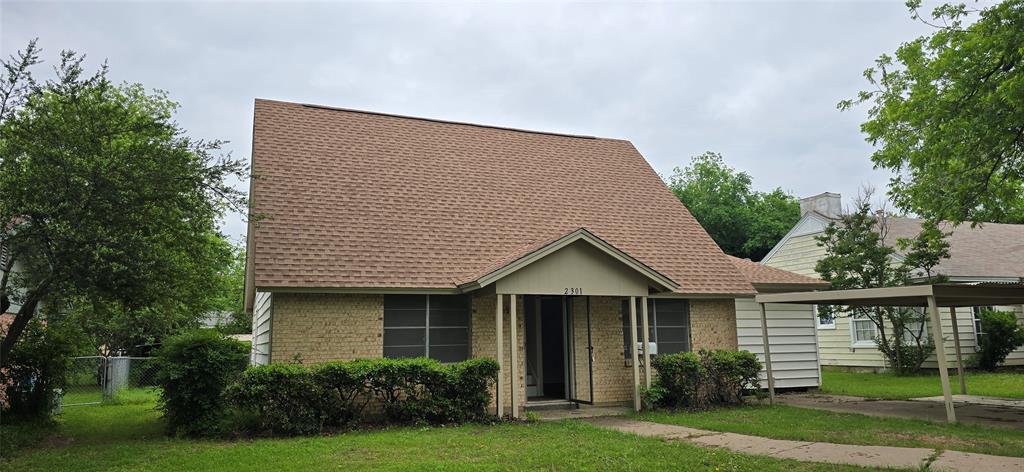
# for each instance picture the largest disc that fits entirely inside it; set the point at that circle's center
(987, 253)
(791, 328)
(382, 235)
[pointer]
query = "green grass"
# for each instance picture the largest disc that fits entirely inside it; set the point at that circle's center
(890, 387)
(129, 437)
(801, 424)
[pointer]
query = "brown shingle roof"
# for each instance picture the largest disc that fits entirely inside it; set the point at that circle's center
(352, 199)
(760, 274)
(988, 250)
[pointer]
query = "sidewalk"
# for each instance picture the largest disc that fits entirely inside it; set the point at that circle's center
(865, 456)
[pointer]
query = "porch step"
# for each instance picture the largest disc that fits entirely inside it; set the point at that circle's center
(547, 405)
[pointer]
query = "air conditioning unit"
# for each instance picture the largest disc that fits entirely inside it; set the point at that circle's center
(640, 348)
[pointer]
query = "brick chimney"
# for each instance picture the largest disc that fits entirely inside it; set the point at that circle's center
(827, 204)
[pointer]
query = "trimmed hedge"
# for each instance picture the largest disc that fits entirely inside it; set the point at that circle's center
(194, 368)
(297, 400)
(703, 380)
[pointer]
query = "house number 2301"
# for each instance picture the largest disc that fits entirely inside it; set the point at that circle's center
(574, 291)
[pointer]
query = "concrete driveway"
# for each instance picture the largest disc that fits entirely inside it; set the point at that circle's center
(969, 409)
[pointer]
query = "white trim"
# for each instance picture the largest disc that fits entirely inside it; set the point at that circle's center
(853, 333)
(817, 320)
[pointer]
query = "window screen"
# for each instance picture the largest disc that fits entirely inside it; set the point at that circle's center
(435, 326)
(668, 322)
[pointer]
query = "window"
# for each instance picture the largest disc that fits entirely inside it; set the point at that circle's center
(434, 326)
(913, 329)
(668, 322)
(825, 320)
(978, 332)
(862, 330)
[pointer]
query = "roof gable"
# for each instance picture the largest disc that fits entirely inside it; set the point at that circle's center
(362, 200)
(534, 255)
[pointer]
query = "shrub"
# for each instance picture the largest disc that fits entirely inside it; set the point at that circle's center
(343, 385)
(678, 380)
(730, 374)
(285, 397)
(37, 368)
(1001, 335)
(698, 381)
(193, 370)
(296, 399)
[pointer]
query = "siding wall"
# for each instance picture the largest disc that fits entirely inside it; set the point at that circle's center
(792, 339)
(800, 253)
(261, 315)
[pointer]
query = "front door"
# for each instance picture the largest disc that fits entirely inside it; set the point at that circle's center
(553, 350)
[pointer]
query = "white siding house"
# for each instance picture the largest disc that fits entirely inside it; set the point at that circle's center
(988, 253)
(261, 319)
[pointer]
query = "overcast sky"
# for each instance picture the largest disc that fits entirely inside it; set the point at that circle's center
(757, 82)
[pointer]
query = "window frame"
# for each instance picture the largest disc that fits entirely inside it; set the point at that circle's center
(427, 327)
(817, 320)
(976, 319)
(854, 342)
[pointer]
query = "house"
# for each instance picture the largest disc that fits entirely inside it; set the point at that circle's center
(382, 235)
(987, 253)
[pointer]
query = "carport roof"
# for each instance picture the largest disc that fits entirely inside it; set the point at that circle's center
(946, 295)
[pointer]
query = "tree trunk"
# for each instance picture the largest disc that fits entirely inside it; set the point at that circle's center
(21, 319)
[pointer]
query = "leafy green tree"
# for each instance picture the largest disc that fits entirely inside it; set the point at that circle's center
(947, 115)
(856, 257)
(230, 296)
(743, 222)
(104, 199)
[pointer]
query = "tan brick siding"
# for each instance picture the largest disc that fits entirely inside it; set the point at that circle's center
(713, 324)
(320, 327)
(326, 327)
(613, 378)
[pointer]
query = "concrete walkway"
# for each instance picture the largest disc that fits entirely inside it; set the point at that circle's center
(969, 410)
(865, 456)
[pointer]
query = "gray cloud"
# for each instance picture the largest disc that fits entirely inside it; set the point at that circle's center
(757, 82)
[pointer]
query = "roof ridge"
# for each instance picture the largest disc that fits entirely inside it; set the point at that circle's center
(436, 120)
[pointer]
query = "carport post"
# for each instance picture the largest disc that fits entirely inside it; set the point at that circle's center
(959, 356)
(940, 356)
(767, 356)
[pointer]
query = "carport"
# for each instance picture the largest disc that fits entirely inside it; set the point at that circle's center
(929, 296)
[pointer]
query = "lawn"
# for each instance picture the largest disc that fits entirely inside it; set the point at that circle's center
(128, 436)
(890, 387)
(801, 424)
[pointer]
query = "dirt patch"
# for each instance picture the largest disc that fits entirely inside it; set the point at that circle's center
(56, 441)
(940, 442)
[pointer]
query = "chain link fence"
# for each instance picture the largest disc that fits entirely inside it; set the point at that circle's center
(94, 380)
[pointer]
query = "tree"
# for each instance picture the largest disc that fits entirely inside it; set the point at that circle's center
(104, 199)
(231, 295)
(947, 115)
(856, 257)
(743, 222)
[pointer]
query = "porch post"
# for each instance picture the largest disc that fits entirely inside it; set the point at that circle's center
(940, 356)
(767, 356)
(647, 342)
(635, 355)
(959, 355)
(499, 335)
(514, 345)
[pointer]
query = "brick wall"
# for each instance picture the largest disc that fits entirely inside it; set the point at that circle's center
(713, 324)
(320, 327)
